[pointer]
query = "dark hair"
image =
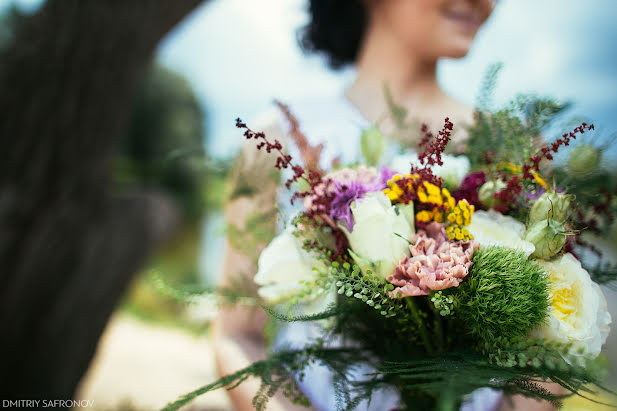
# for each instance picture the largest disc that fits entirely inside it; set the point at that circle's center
(336, 28)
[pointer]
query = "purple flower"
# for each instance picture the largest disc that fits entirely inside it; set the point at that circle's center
(381, 183)
(469, 187)
(344, 195)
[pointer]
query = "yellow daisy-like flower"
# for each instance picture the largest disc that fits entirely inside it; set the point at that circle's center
(459, 217)
(394, 191)
(458, 233)
(516, 169)
(424, 216)
(429, 193)
(540, 180)
(448, 200)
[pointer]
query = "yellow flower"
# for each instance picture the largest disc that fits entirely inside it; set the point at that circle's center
(448, 200)
(394, 190)
(424, 216)
(540, 180)
(460, 216)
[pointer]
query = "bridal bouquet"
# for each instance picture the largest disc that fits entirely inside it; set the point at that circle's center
(437, 274)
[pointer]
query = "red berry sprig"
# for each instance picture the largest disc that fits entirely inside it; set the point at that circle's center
(318, 208)
(433, 151)
(546, 151)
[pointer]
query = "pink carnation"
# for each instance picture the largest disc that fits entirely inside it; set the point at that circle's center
(436, 263)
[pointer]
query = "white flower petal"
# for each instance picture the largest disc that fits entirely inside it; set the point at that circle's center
(283, 266)
(374, 238)
(493, 228)
(579, 314)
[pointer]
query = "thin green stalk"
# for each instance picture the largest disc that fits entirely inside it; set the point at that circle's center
(446, 402)
(423, 332)
(439, 329)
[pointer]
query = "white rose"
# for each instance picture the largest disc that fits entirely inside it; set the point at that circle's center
(453, 170)
(493, 228)
(375, 241)
(283, 266)
(579, 313)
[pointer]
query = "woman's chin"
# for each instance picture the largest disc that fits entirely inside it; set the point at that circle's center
(457, 50)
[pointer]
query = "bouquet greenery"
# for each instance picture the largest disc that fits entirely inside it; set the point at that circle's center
(453, 274)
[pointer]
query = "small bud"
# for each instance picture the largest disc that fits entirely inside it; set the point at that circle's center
(486, 194)
(548, 236)
(303, 185)
(584, 159)
(372, 143)
(550, 205)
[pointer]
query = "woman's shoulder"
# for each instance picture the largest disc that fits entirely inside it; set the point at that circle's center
(463, 117)
(461, 114)
(330, 121)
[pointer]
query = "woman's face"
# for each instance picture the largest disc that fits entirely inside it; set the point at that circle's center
(433, 28)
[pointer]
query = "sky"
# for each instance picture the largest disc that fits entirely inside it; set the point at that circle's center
(238, 62)
(241, 54)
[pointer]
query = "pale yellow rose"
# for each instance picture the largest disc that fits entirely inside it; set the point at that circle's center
(578, 313)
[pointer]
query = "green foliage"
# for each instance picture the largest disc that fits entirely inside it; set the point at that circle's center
(443, 303)
(175, 263)
(604, 273)
(509, 134)
(164, 143)
(397, 112)
(274, 372)
(489, 83)
(260, 228)
(425, 382)
(504, 295)
(370, 289)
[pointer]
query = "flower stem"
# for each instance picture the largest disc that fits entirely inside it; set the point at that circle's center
(446, 402)
(423, 332)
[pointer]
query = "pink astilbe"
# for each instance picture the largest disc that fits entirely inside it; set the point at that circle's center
(436, 263)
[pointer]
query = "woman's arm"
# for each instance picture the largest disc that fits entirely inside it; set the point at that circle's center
(250, 213)
(522, 403)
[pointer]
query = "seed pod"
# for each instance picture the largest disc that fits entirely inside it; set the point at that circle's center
(487, 191)
(584, 159)
(372, 143)
(550, 205)
(549, 237)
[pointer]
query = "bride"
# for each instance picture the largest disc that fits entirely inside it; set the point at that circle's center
(393, 42)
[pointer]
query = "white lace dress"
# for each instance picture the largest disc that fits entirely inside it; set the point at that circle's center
(337, 124)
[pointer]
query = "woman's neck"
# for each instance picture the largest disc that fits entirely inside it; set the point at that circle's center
(385, 62)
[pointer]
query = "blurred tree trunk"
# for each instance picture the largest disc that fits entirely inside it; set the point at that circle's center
(68, 244)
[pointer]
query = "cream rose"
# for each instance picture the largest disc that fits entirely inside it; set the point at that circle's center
(283, 267)
(579, 313)
(493, 228)
(375, 240)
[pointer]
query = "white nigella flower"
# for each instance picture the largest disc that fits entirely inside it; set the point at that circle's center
(493, 228)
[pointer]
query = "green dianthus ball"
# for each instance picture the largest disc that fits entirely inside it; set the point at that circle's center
(505, 295)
